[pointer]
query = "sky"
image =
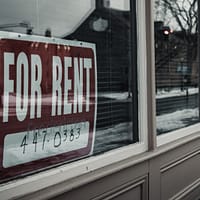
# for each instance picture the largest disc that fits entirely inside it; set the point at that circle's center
(61, 16)
(161, 14)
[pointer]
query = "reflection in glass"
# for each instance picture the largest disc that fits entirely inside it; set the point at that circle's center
(107, 25)
(176, 64)
(110, 30)
(61, 18)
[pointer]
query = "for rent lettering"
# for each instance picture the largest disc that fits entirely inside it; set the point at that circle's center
(22, 77)
(28, 91)
(80, 66)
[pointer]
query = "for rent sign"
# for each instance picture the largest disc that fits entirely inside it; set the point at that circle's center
(48, 102)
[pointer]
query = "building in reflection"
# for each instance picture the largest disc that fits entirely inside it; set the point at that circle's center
(175, 58)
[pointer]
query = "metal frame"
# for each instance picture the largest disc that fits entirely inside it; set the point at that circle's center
(134, 71)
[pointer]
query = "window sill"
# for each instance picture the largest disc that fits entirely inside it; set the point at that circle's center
(30, 184)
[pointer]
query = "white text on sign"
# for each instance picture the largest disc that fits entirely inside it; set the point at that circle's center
(29, 78)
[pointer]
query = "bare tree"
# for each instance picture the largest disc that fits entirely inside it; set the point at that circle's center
(182, 12)
(183, 16)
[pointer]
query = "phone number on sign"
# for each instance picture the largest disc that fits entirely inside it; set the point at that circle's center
(41, 143)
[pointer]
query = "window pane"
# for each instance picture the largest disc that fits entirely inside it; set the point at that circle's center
(50, 67)
(176, 64)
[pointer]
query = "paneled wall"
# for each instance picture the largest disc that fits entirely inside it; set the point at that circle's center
(167, 173)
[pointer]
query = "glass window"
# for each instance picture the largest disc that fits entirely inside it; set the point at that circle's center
(67, 87)
(176, 64)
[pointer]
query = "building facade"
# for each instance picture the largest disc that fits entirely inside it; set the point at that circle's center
(99, 100)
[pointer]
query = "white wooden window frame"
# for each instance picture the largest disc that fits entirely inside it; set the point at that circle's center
(48, 178)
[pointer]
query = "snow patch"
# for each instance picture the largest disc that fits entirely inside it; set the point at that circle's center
(175, 120)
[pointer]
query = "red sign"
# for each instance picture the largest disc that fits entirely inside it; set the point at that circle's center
(48, 103)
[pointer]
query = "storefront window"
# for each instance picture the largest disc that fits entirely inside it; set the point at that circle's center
(67, 87)
(176, 64)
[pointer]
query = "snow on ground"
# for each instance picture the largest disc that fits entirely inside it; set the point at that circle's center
(162, 93)
(170, 121)
(175, 120)
(113, 137)
(175, 92)
(115, 95)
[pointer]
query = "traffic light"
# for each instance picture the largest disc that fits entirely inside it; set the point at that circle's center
(166, 31)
